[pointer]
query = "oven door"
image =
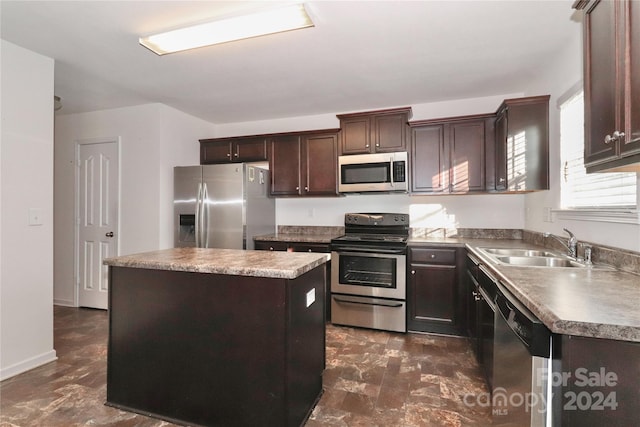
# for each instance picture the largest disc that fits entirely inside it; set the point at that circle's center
(377, 275)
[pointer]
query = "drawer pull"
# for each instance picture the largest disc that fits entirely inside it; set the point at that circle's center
(381, 304)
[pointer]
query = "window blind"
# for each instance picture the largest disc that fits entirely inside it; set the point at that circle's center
(606, 190)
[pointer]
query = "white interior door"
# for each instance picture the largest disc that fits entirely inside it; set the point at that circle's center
(98, 198)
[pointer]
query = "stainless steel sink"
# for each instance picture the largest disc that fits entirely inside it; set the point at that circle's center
(519, 252)
(521, 257)
(539, 261)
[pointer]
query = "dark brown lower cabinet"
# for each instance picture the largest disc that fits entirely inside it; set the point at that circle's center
(215, 350)
(480, 315)
(599, 382)
(472, 302)
(433, 296)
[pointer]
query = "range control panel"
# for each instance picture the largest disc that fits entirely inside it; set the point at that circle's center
(377, 219)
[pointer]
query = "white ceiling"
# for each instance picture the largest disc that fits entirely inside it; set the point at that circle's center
(360, 54)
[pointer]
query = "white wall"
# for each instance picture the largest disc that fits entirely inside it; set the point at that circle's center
(468, 211)
(556, 77)
(154, 138)
(26, 182)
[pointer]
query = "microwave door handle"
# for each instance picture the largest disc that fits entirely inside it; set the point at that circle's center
(391, 173)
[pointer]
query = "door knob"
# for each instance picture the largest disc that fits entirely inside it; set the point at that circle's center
(109, 234)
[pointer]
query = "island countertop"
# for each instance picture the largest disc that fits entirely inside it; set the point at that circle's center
(279, 265)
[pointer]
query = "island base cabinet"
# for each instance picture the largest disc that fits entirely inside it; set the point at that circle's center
(216, 350)
(599, 381)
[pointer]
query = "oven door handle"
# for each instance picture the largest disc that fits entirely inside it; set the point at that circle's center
(389, 304)
(361, 249)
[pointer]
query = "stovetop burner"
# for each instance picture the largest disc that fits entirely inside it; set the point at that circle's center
(372, 230)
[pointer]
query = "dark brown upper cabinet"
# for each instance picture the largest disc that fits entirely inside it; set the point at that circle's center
(237, 149)
(449, 155)
(304, 164)
(611, 84)
(381, 131)
(522, 145)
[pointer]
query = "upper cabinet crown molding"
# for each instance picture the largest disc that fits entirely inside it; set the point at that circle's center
(380, 131)
(611, 84)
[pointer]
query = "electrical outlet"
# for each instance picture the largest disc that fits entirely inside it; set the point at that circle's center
(311, 297)
(548, 215)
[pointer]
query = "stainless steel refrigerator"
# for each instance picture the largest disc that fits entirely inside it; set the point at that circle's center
(221, 206)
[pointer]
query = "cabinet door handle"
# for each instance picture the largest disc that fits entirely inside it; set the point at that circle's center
(413, 272)
(617, 136)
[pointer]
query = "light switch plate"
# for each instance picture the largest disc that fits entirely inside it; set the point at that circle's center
(35, 216)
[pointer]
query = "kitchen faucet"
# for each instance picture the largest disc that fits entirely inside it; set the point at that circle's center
(571, 245)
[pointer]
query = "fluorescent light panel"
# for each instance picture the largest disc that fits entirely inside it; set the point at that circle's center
(226, 30)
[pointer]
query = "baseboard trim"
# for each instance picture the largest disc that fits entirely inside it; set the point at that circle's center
(27, 365)
(64, 302)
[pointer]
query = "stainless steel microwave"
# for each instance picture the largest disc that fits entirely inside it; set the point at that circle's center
(373, 172)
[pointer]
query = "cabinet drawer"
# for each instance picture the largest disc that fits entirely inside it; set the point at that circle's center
(310, 247)
(433, 256)
(270, 246)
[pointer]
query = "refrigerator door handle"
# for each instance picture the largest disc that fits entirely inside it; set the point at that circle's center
(198, 215)
(205, 216)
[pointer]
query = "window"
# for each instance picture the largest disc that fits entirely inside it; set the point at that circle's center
(607, 191)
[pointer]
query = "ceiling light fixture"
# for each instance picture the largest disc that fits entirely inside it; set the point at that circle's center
(226, 30)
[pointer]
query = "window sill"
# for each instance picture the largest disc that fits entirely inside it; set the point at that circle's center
(622, 216)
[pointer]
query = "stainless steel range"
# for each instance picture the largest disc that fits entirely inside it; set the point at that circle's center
(368, 272)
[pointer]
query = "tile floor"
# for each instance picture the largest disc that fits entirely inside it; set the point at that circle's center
(373, 378)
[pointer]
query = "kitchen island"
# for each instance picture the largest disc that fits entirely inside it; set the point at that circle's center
(217, 337)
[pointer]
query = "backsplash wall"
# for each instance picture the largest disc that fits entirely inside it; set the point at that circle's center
(468, 211)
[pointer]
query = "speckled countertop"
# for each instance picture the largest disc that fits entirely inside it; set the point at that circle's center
(599, 303)
(278, 265)
(572, 301)
(302, 234)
